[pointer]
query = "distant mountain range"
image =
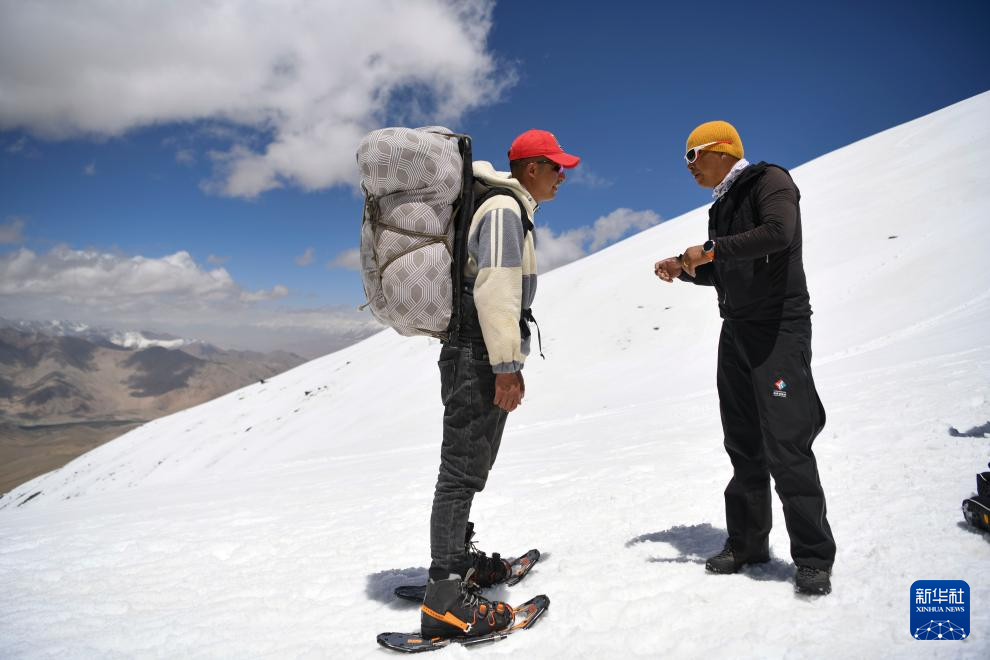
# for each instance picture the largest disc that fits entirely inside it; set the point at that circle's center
(67, 387)
(97, 335)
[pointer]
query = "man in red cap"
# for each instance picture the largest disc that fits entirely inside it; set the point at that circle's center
(481, 378)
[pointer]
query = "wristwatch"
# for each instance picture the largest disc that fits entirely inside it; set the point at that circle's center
(709, 249)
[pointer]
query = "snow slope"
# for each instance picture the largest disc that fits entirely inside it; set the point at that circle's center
(274, 522)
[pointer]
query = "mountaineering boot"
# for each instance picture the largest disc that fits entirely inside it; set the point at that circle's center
(488, 571)
(810, 580)
(727, 561)
(451, 609)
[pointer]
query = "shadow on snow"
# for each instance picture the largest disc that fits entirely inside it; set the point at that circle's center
(695, 543)
(381, 586)
(975, 432)
(973, 530)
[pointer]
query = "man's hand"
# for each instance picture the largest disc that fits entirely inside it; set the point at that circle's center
(693, 257)
(668, 269)
(509, 390)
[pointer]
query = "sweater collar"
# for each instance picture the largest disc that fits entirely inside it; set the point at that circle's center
(486, 173)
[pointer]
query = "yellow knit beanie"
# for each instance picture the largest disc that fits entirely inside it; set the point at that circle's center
(715, 131)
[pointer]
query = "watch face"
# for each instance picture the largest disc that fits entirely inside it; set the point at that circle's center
(708, 246)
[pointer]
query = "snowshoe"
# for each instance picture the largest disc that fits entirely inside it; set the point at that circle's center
(523, 617)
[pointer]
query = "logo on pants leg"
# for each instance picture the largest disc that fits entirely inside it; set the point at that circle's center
(940, 610)
(779, 388)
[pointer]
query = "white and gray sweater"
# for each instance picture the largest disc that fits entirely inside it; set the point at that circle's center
(502, 263)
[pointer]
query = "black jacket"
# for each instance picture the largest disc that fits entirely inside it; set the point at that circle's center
(758, 271)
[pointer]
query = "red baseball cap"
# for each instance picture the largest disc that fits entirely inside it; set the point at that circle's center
(535, 142)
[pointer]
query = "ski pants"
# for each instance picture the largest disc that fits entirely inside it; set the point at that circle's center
(472, 433)
(771, 415)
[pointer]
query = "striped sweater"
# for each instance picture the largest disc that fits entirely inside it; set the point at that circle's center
(502, 263)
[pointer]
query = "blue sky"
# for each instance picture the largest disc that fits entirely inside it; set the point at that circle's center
(119, 149)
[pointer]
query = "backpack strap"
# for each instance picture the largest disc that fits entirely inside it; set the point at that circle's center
(524, 321)
(463, 212)
(492, 192)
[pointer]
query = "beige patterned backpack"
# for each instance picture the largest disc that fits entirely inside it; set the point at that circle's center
(418, 187)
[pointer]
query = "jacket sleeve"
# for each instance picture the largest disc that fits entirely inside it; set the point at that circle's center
(777, 200)
(498, 287)
(702, 275)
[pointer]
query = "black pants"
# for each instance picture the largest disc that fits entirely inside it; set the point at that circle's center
(771, 415)
(472, 433)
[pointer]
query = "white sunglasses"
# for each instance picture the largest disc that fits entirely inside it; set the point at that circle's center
(692, 153)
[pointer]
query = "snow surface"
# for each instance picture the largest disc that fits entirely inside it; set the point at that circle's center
(273, 522)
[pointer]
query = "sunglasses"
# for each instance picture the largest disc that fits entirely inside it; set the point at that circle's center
(555, 166)
(692, 153)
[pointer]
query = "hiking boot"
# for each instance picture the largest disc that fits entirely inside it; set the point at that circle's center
(727, 561)
(452, 609)
(488, 571)
(811, 580)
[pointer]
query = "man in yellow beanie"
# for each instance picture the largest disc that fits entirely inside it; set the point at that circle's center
(771, 412)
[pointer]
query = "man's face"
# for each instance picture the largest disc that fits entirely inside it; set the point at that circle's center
(708, 169)
(546, 177)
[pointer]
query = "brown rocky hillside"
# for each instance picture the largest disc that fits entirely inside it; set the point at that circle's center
(62, 396)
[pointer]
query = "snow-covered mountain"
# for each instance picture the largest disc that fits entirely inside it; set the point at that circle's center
(144, 339)
(99, 335)
(274, 521)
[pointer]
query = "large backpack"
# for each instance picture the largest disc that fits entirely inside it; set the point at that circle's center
(420, 196)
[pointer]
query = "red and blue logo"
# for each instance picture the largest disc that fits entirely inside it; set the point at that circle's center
(778, 388)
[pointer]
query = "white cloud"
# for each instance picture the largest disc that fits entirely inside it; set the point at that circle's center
(115, 283)
(185, 156)
(306, 258)
(217, 260)
(309, 332)
(90, 169)
(610, 228)
(89, 277)
(12, 231)
(555, 250)
(17, 146)
(349, 259)
(311, 77)
(336, 318)
(582, 176)
(168, 294)
(276, 292)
